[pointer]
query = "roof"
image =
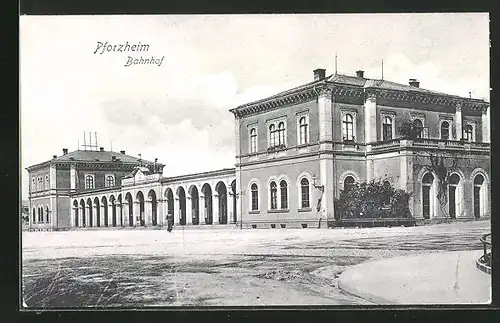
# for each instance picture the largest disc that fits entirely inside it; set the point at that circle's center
(98, 156)
(357, 82)
(143, 169)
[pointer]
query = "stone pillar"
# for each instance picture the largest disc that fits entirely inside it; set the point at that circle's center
(137, 214)
(226, 208)
(148, 210)
(406, 172)
(102, 214)
(485, 124)
(177, 211)
(160, 212)
(215, 209)
(202, 211)
(74, 210)
(80, 216)
(189, 210)
(126, 210)
(53, 215)
(458, 121)
(370, 116)
(326, 176)
(52, 177)
(110, 216)
(94, 215)
(369, 169)
(72, 177)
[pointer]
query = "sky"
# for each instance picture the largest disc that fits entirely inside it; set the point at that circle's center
(178, 111)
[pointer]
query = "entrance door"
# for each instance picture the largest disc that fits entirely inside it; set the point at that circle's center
(452, 202)
(426, 201)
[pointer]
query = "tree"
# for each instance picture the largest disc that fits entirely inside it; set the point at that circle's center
(373, 200)
(409, 130)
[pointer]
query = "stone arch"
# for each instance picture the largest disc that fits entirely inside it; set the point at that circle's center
(112, 201)
(130, 208)
(75, 213)
(194, 196)
(222, 197)
(480, 182)
(153, 206)
(455, 194)
(97, 210)
(139, 199)
(82, 209)
(181, 195)
(428, 183)
(90, 208)
(104, 202)
(206, 191)
(169, 197)
(347, 173)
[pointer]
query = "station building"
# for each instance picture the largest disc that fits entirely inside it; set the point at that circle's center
(295, 152)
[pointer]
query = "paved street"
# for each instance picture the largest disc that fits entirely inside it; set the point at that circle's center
(137, 268)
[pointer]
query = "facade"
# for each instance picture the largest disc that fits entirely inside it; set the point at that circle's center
(295, 152)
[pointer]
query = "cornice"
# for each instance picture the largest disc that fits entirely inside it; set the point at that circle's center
(342, 91)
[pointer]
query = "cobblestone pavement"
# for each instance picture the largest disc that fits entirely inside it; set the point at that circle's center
(136, 268)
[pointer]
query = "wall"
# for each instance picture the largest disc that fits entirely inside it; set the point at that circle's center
(63, 212)
(348, 165)
(291, 169)
(63, 179)
(291, 126)
(465, 166)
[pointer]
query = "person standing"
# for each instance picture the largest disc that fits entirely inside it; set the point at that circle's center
(170, 222)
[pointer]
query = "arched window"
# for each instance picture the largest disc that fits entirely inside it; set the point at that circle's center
(468, 132)
(348, 127)
(110, 181)
(387, 129)
(272, 135)
(47, 214)
(284, 194)
(33, 186)
(255, 196)
(348, 182)
(274, 195)
(478, 195)
(445, 130)
(89, 182)
(47, 182)
(427, 182)
(303, 131)
(304, 193)
(34, 215)
(281, 133)
(40, 214)
(419, 127)
(253, 140)
(452, 195)
(40, 183)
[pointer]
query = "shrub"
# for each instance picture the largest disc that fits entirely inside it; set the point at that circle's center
(372, 200)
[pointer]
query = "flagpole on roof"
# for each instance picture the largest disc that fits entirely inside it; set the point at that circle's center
(335, 63)
(382, 69)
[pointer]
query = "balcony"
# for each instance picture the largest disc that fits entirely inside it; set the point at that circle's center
(426, 143)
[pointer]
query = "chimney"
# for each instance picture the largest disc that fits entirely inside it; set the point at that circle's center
(122, 152)
(360, 73)
(65, 151)
(319, 74)
(101, 148)
(156, 160)
(113, 158)
(414, 82)
(54, 156)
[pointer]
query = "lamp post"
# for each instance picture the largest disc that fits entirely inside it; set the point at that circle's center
(319, 187)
